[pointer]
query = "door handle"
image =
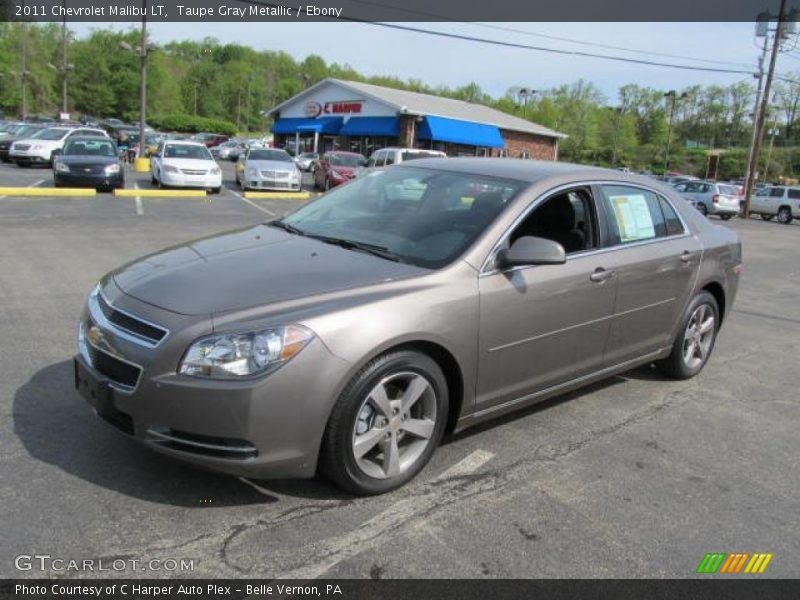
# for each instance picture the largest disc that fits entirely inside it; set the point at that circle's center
(687, 257)
(600, 275)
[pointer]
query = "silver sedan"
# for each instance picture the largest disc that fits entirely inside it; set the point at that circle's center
(268, 169)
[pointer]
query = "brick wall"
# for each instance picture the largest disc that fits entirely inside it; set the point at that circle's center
(537, 147)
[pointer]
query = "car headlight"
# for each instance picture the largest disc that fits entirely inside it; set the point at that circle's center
(170, 169)
(61, 167)
(252, 173)
(215, 171)
(37, 147)
(110, 169)
(231, 356)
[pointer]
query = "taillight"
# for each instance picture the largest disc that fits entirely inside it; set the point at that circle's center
(715, 199)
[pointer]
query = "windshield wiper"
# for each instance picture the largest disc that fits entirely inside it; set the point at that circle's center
(379, 251)
(286, 227)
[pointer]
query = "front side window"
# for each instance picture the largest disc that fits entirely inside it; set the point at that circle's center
(635, 214)
(568, 218)
(421, 216)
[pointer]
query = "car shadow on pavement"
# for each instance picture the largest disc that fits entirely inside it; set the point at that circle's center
(57, 427)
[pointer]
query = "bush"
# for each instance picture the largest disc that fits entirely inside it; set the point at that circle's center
(192, 124)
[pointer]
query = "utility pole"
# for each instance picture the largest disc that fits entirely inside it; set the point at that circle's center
(64, 69)
(758, 133)
(143, 83)
(673, 96)
(761, 60)
(23, 74)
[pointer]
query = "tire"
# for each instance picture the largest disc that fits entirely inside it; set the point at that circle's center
(692, 349)
(216, 190)
(702, 208)
(726, 217)
(767, 217)
(327, 184)
(153, 179)
(784, 215)
(358, 407)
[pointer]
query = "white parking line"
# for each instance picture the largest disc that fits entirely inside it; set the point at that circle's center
(256, 487)
(250, 202)
(345, 546)
(139, 206)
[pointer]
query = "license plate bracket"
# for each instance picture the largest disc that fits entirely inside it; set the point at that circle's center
(94, 390)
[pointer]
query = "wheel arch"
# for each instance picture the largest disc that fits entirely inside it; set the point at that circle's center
(715, 289)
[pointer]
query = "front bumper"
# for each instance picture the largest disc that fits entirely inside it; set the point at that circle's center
(24, 158)
(94, 180)
(272, 184)
(195, 181)
(268, 427)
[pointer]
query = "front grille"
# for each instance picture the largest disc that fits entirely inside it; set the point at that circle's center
(115, 369)
(274, 184)
(275, 174)
(88, 169)
(130, 324)
(22, 147)
(193, 172)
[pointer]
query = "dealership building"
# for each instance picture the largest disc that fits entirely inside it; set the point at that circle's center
(361, 117)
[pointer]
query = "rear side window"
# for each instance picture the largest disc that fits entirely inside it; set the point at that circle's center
(634, 214)
(671, 220)
(390, 158)
(794, 194)
(776, 192)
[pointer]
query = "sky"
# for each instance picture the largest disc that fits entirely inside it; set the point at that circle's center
(374, 50)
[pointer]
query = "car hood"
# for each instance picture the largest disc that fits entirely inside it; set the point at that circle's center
(88, 159)
(248, 268)
(190, 163)
(271, 165)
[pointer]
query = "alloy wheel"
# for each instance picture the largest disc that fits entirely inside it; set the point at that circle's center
(394, 425)
(698, 336)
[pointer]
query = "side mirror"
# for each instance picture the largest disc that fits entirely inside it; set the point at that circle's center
(529, 250)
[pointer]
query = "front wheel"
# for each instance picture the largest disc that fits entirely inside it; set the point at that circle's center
(215, 190)
(784, 216)
(694, 343)
(386, 424)
(703, 209)
(766, 217)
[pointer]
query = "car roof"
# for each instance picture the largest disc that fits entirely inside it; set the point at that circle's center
(90, 138)
(344, 152)
(183, 143)
(522, 170)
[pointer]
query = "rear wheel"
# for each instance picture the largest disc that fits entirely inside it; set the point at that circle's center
(784, 215)
(695, 342)
(725, 217)
(215, 190)
(702, 208)
(386, 424)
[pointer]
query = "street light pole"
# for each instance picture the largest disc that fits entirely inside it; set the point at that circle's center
(64, 66)
(143, 83)
(24, 70)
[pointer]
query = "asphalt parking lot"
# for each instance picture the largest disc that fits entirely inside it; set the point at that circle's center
(635, 477)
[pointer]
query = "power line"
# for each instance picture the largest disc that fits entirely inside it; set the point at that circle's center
(547, 36)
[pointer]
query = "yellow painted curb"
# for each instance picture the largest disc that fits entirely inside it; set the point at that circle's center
(288, 195)
(37, 191)
(155, 193)
(141, 165)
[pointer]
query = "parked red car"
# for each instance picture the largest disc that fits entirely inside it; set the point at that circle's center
(335, 168)
(210, 139)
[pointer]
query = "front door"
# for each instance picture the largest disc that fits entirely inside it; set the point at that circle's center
(543, 325)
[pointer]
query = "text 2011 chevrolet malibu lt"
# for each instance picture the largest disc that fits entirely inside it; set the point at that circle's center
(350, 335)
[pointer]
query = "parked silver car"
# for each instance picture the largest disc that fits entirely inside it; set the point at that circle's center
(268, 169)
(425, 298)
(711, 198)
(306, 160)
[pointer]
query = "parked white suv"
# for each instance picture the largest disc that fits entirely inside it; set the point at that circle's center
(47, 143)
(395, 156)
(777, 201)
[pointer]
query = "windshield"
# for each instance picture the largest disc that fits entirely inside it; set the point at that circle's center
(90, 148)
(186, 151)
(267, 154)
(424, 217)
(51, 134)
(346, 160)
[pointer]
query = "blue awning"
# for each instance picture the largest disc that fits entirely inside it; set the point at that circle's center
(460, 132)
(389, 126)
(294, 125)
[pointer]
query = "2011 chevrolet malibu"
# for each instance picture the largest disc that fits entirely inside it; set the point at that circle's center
(349, 336)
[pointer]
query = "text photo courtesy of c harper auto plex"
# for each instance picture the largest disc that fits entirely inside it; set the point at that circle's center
(365, 299)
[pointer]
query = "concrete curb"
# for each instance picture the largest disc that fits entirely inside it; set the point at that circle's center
(37, 191)
(154, 193)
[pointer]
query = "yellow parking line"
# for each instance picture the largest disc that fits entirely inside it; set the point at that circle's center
(287, 195)
(37, 191)
(155, 193)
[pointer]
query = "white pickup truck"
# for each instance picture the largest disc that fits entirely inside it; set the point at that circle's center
(777, 201)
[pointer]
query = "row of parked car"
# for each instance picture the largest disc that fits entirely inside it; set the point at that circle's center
(724, 199)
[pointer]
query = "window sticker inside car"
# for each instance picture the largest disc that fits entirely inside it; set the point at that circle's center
(633, 217)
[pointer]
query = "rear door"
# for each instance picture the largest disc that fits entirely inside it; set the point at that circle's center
(656, 260)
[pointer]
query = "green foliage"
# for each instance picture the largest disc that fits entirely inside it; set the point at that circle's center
(193, 124)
